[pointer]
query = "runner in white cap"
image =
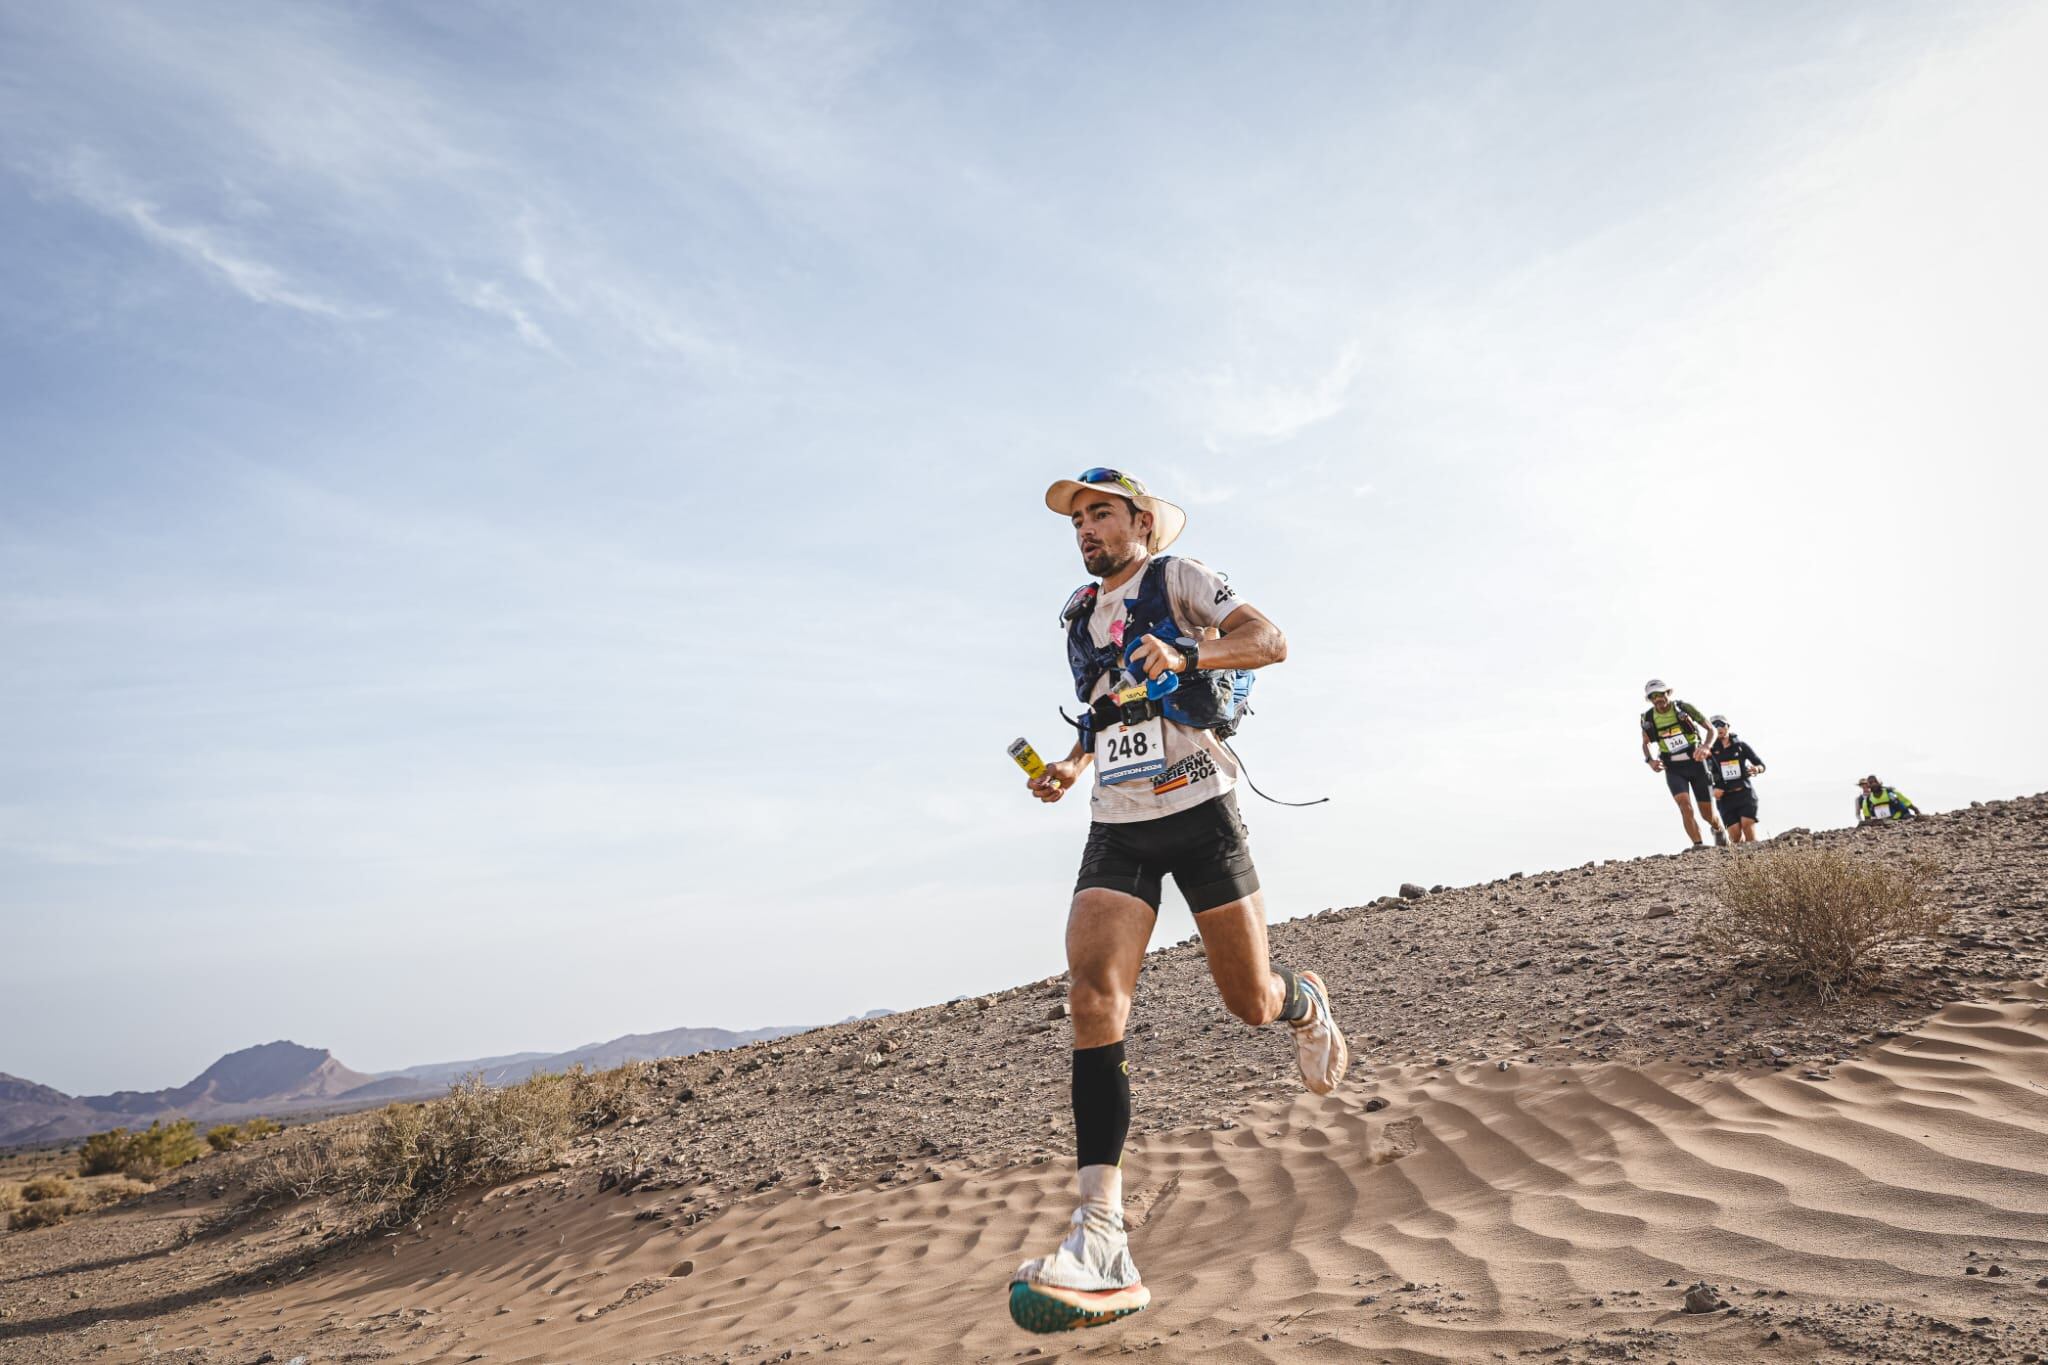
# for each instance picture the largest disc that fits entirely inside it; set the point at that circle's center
(1163, 803)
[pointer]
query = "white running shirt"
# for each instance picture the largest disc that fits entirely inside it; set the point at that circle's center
(1198, 768)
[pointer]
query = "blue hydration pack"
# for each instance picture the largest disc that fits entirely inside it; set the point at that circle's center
(1211, 699)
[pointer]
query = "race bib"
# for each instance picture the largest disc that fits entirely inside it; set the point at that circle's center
(1125, 753)
(1881, 811)
(1677, 743)
(1731, 770)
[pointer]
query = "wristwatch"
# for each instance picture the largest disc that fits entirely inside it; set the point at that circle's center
(1191, 650)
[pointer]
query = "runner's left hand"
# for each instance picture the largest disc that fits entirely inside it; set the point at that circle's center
(1158, 658)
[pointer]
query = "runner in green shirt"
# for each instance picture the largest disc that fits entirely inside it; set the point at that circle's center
(1677, 732)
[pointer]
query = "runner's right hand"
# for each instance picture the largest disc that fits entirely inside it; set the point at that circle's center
(1052, 784)
(1656, 765)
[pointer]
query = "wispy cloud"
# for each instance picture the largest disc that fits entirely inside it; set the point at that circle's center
(1233, 405)
(488, 296)
(257, 280)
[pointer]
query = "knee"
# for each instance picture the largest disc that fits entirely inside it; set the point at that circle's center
(1097, 1006)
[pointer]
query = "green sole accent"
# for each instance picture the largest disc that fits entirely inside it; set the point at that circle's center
(1036, 1312)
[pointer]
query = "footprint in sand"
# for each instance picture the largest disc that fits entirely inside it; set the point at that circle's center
(1396, 1140)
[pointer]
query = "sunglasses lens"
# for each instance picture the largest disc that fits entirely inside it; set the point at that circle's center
(1099, 475)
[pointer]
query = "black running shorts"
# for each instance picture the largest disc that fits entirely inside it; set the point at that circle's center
(1206, 848)
(1738, 805)
(1688, 773)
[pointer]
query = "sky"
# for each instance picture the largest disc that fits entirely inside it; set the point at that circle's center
(521, 523)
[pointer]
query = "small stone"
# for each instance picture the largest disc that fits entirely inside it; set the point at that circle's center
(1059, 1011)
(1969, 1270)
(1703, 1298)
(1411, 892)
(1379, 1102)
(1661, 910)
(1995, 1270)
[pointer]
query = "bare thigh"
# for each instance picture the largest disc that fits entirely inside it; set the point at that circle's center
(1106, 936)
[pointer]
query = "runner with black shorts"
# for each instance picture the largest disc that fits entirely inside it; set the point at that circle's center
(1163, 805)
(1731, 764)
(1676, 731)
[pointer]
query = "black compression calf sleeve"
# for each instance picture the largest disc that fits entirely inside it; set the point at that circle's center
(1102, 1104)
(1296, 1004)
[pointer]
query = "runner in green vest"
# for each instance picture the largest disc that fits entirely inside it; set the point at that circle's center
(1876, 801)
(1677, 732)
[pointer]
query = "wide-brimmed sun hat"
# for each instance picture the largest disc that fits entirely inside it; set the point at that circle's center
(1168, 521)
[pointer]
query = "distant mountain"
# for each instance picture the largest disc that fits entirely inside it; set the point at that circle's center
(281, 1078)
(273, 1074)
(33, 1113)
(432, 1079)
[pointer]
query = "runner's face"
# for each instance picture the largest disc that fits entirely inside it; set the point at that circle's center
(1109, 530)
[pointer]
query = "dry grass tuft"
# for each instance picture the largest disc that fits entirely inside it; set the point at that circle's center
(1825, 917)
(46, 1187)
(44, 1213)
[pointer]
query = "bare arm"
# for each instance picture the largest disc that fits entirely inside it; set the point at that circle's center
(1249, 640)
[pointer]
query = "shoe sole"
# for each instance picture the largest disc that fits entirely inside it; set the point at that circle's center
(1343, 1047)
(1045, 1308)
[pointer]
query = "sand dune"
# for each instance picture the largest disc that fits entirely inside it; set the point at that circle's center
(1484, 1214)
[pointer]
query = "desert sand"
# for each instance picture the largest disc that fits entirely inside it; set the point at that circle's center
(1567, 1119)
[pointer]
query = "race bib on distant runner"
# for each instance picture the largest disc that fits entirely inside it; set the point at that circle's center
(1125, 753)
(1676, 742)
(1881, 811)
(1731, 770)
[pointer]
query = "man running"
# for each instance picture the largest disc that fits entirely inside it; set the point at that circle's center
(1673, 729)
(1163, 802)
(1730, 764)
(1875, 801)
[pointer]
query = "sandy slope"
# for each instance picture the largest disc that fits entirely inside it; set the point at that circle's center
(1637, 1140)
(1484, 1214)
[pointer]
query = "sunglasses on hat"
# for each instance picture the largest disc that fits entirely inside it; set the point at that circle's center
(1099, 474)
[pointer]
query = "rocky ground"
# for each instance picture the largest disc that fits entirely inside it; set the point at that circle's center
(1589, 964)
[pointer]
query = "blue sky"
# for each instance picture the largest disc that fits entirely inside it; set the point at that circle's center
(521, 525)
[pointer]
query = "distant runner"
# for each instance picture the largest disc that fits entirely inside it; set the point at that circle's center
(1675, 729)
(1163, 802)
(1730, 765)
(1876, 801)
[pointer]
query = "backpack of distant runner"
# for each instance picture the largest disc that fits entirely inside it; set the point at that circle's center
(1209, 699)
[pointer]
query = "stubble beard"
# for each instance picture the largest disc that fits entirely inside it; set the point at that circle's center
(1107, 563)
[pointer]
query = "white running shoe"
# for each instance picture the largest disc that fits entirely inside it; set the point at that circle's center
(1089, 1281)
(1319, 1045)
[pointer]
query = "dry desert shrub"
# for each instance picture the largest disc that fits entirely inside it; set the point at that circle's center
(103, 1153)
(46, 1187)
(1823, 916)
(104, 1192)
(395, 1166)
(10, 1198)
(141, 1156)
(313, 1163)
(43, 1213)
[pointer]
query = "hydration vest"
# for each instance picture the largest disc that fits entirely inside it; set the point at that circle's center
(1208, 699)
(1685, 721)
